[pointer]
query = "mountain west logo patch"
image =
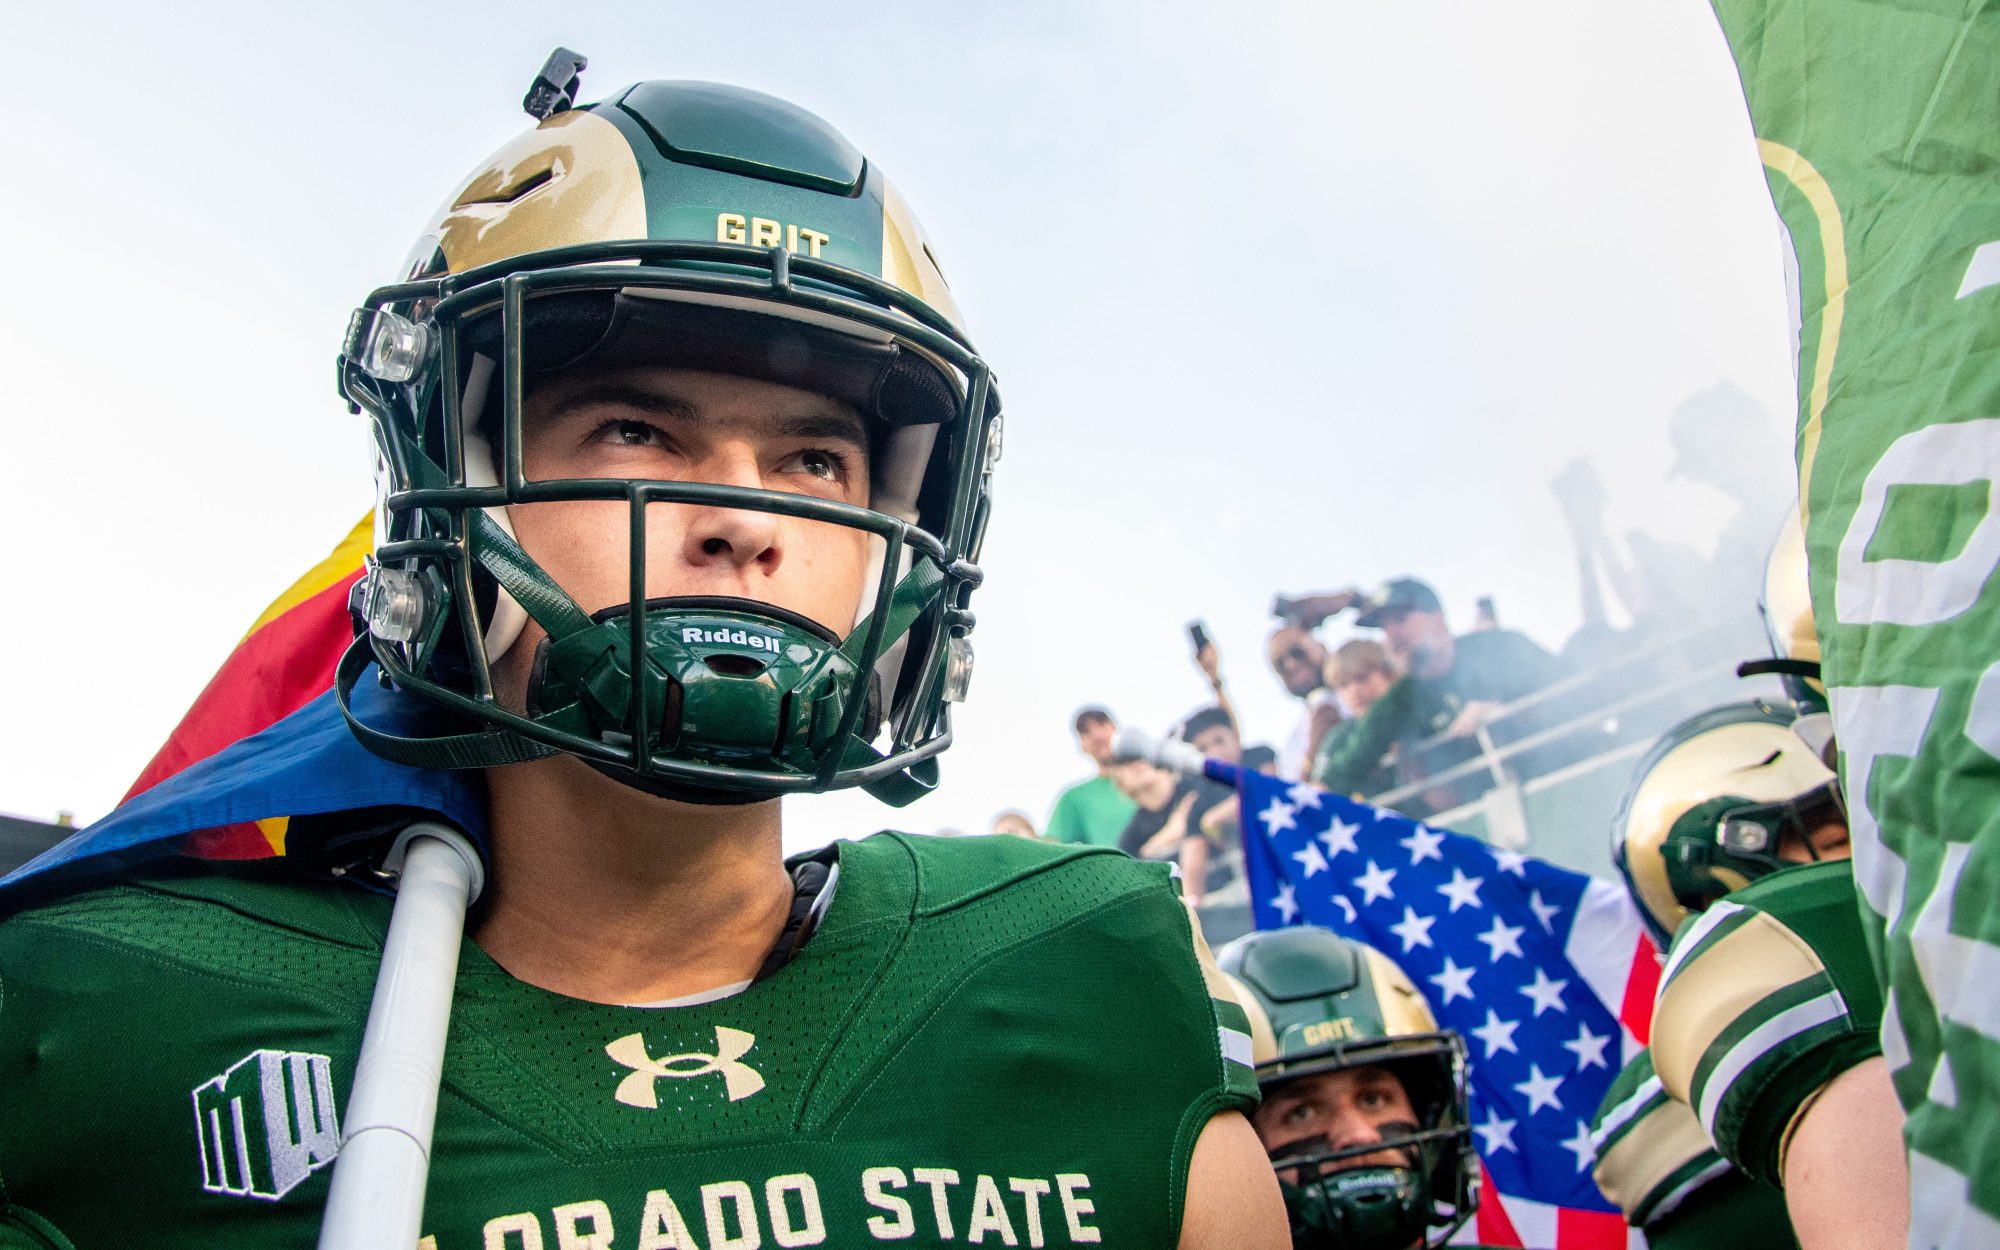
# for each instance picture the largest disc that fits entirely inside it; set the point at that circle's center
(266, 1124)
(636, 1090)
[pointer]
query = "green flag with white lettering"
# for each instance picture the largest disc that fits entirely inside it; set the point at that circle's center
(1879, 126)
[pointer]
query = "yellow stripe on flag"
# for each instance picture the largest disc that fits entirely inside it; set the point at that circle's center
(273, 828)
(1799, 171)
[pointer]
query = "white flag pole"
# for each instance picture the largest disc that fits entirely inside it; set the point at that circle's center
(377, 1197)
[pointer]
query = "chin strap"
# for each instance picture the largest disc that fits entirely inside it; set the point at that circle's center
(482, 749)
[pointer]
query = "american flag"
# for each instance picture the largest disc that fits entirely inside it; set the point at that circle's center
(1547, 974)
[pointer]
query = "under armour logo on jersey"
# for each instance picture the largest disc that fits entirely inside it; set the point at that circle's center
(636, 1090)
(266, 1124)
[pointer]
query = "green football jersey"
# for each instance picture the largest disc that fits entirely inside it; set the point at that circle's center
(986, 1041)
(1656, 1163)
(1766, 996)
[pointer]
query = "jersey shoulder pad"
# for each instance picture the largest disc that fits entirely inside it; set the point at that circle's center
(1766, 996)
(1651, 1151)
(169, 904)
(950, 872)
(1102, 897)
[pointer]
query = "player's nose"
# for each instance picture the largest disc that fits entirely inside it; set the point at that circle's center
(1352, 1127)
(741, 538)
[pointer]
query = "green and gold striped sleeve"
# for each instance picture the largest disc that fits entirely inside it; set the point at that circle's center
(1651, 1152)
(1766, 997)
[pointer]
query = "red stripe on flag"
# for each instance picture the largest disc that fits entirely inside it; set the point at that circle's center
(1641, 988)
(271, 674)
(1589, 1230)
(1495, 1229)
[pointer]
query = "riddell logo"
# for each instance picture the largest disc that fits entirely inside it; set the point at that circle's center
(735, 637)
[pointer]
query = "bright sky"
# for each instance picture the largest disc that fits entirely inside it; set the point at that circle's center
(1282, 296)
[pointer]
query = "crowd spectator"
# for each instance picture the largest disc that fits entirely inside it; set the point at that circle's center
(1167, 824)
(1014, 823)
(1299, 660)
(1450, 687)
(1093, 812)
(1360, 671)
(1213, 732)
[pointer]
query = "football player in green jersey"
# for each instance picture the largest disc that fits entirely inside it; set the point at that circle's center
(1733, 838)
(685, 462)
(1364, 1112)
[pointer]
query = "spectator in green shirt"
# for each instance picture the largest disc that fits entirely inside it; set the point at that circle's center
(1092, 812)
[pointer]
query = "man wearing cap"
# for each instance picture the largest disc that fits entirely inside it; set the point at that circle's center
(1450, 686)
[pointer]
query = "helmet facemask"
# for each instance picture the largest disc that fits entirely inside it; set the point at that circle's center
(1725, 843)
(732, 699)
(1335, 1201)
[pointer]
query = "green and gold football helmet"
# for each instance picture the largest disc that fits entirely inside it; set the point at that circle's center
(1321, 1003)
(1710, 803)
(695, 226)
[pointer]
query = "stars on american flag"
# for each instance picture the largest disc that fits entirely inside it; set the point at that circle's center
(1582, 1147)
(1484, 934)
(1539, 1089)
(1495, 1135)
(1374, 883)
(1278, 817)
(1414, 930)
(1545, 913)
(1502, 939)
(1588, 1048)
(1423, 844)
(1339, 837)
(1546, 992)
(1498, 1034)
(1463, 891)
(1454, 982)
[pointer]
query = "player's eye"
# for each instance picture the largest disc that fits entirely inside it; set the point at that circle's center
(819, 462)
(629, 433)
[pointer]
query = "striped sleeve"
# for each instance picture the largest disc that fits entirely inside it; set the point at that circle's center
(1764, 999)
(1651, 1152)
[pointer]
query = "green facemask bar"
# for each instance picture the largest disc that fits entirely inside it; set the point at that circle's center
(728, 701)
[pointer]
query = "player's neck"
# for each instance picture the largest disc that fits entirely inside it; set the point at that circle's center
(600, 892)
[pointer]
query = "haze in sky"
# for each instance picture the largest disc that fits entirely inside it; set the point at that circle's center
(1281, 296)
